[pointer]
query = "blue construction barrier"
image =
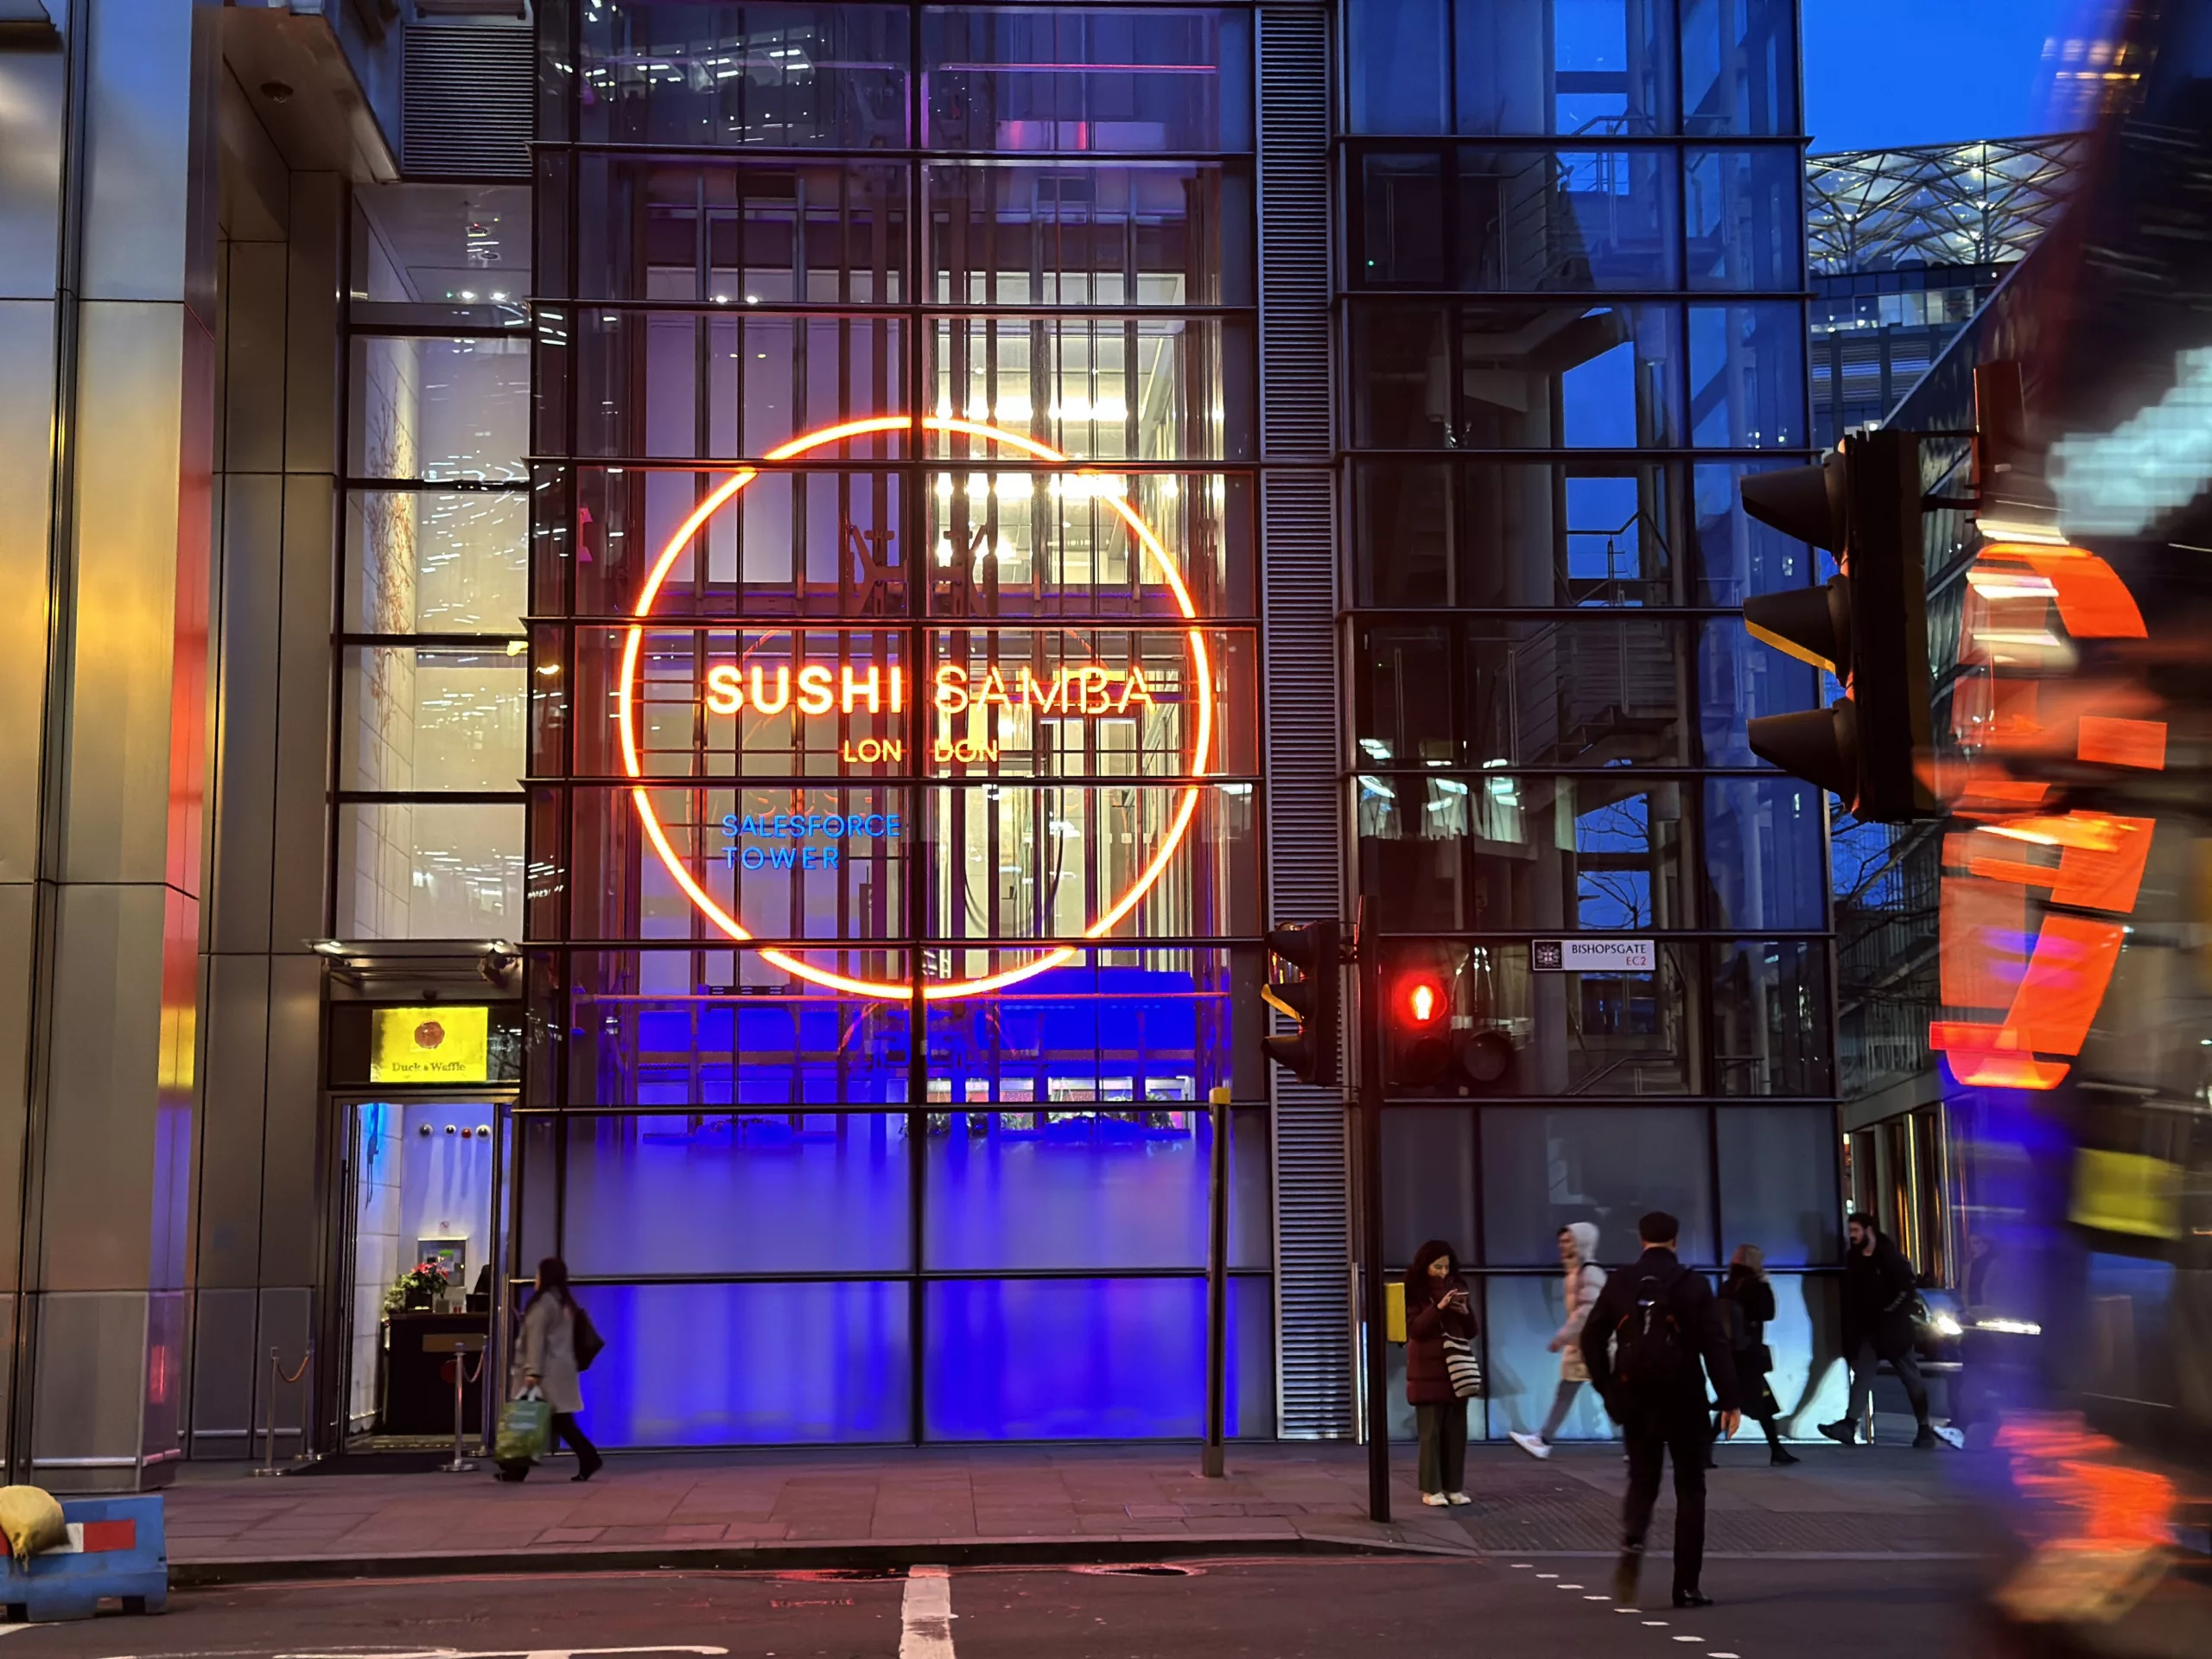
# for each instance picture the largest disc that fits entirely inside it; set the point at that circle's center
(116, 1551)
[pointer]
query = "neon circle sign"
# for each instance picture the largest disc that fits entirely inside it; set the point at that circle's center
(1048, 956)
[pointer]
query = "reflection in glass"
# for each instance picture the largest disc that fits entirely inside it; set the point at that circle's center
(438, 409)
(1517, 377)
(424, 870)
(437, 562)
(1534, 221)
(433, 719)
(1520, 1372)
(1602, 690)
(1746, 228)
(1769, 1018)
(1763, 857)
(1596, 67)
(1543, 1168)
(1399, 62)
(1500, 851)
(1428, 1181)
(1747, 376)
(1738, 679)
(1736, 555)
(1739, 66)
(1779, 1187)
(1514, 533)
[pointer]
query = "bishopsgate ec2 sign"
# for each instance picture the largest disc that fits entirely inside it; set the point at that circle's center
(964, 706)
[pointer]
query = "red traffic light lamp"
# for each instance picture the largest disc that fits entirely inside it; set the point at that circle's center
(1421, 1001)
(1418, 1038)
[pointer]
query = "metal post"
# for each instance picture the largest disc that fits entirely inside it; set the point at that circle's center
(1374, 1295)
(461, 1464)
(269, 1450)
(1212, 1464)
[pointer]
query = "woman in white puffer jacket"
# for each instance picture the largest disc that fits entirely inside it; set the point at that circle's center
(1577, 1250)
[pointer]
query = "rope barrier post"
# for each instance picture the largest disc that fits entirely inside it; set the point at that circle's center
(278, 1380)
(269, 1447)
(459, 1346)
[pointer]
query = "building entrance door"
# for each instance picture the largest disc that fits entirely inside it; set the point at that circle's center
(422, 1179)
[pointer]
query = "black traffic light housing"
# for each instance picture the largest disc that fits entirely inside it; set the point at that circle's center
(1868, 625)
(1312, 993)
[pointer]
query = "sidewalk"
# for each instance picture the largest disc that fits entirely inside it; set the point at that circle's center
(876, 1508)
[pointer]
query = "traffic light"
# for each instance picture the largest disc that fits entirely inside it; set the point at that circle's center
(1418, 1028)
(1868, 625)
(1428, 1045)
(1304, 982)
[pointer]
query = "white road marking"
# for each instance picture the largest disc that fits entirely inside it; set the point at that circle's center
(925, 1614)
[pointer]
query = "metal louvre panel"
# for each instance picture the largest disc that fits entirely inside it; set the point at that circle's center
(1295, 402)
(1305, 821)
(469, 103)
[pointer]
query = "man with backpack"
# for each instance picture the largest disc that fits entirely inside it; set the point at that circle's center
(1650, 1343)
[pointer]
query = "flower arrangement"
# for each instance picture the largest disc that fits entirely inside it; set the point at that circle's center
(422, 1286)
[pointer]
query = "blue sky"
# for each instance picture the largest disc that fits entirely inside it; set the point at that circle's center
(1881, 74)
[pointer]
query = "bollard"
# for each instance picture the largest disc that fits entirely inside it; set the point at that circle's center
(277, 1380)
(459, 1347)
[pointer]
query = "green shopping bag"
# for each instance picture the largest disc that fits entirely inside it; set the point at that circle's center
(525, 1430)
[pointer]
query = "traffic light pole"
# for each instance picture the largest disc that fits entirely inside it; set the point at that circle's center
(1374, 1294)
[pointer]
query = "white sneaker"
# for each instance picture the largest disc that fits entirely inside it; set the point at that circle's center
(1457, 1498)
(1532, 1444)
(1435, 1500)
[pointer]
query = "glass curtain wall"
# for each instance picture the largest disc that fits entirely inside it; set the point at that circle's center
(894, 786)
(434, 690)
(1574, 319)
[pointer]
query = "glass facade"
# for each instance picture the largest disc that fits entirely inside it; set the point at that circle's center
(1573, 319)
(892, 799)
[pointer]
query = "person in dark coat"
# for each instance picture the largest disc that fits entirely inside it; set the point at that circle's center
(1880, 1290)
(1437, 1307)
(1746, 1304)
(1650, 1342)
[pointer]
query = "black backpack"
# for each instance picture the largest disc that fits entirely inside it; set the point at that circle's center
(1651, 1351)
(589, 1345)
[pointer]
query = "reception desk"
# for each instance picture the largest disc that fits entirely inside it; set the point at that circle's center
(414, 1395)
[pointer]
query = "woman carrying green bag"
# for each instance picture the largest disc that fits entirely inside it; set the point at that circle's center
(544, 1384)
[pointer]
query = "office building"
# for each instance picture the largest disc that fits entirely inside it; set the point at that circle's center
(704, 637)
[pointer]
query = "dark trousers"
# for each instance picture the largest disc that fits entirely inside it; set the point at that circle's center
(564, 1428)
(1863, 1366)
(1651, 1441)
(1443, 1431)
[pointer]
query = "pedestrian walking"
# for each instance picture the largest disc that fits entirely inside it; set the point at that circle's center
(1746, 1304)
(1436, 1313)
(1879, 1291)
(1578, 1254)
(546, 1359)
(1651, 1341)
